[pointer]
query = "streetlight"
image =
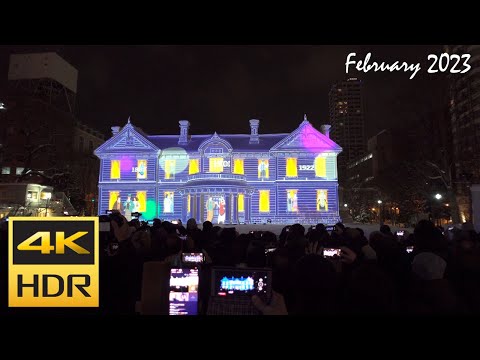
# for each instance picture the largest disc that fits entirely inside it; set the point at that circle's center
(345, 205)
(438, 196)
(379, 201)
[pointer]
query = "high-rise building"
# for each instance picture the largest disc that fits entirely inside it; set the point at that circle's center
(348, 123)
(465, 122)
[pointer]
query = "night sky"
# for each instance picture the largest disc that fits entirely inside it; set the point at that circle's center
(219, 88)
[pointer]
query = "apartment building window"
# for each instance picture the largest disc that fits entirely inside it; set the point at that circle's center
(6, 170)
(170, 166)
(264, 201)
(238, 166)
(19, 170)
(193, 166)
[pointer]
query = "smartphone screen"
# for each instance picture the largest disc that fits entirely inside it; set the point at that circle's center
(331, 252)
(400, 232)
(193, 258)
(248, 282)
(183, 297)
(175, 222)
(409, 249)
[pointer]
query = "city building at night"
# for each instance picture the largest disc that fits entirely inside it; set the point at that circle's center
(346, 107)
(223, 178)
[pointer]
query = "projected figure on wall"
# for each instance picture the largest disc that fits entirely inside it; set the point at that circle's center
(322, 200)
(118, 205)
(209, 206)
(141, 170)
(221, 210)
(127, 206)
(168, 203)
(292, 201)
(135, 204)
(262, 169)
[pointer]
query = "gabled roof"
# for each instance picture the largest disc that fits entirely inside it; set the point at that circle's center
(306, 137)
(127, 139)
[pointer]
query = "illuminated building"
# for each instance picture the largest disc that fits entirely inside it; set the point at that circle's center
(348, 123)
(465, 125)
(223, 178)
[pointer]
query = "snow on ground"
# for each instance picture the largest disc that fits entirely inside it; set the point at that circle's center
(277, 228)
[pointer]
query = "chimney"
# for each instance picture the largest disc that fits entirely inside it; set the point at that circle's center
(115, 130)
(254, 124)
(325, 130)
(184, 125)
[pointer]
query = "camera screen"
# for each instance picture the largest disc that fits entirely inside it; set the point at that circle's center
(330, 228)
(175, 222)
(183, 295)
(409, 249)
(400, 232)
(269, 250)
(233, 282)
(196, 258)
(331, 252)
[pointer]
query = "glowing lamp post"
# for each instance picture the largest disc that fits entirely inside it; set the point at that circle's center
(438, 196)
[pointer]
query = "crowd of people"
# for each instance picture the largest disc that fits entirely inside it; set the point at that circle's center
(432, 271)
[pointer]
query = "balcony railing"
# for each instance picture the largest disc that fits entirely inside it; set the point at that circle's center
(217, 176)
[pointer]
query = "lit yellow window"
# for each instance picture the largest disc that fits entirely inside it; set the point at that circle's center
(216, 165)
(112, 199)
(142, 201)
(115, 169)
(292, 167)
(241, 203)
(170, 169)
(263, 172)
(238, 166)
(264, 201)
(320, 166)
(193, 166)
(141, 169)
(188, 202)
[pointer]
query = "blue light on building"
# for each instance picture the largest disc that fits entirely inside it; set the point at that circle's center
(223, 178)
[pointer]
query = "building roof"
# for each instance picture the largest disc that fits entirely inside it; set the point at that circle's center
(238, 141)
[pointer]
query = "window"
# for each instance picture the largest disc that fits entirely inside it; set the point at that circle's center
(80, 143)
(141, 169)
(141, 201)
(6, 170)
(170, 169)
(292, 201)
(291, 167)
(241, 203)
(322, 200)
(188, 203)
(215, 165)
(19, 170)
(320, 167)
(263, 169)
(264, 201)
(45, 195)
(114, 201)
(193, 166)
(32, 195)
(168, 202)
(115, 169)
(90, 146)
(238, 166)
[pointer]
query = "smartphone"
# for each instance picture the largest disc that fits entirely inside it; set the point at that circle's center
(150, 222)
(108, 212)
(400, 232)
(175, 222)
(183, 296)
(409, 249)
(450, 228)
(193, 258)
(243, 283)
(331, 253)
(330, 228)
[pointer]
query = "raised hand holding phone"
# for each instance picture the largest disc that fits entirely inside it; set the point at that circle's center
(276, 307)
